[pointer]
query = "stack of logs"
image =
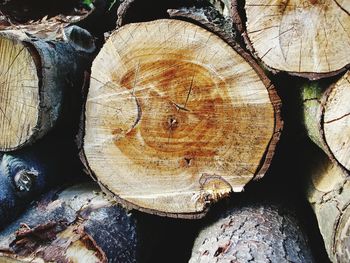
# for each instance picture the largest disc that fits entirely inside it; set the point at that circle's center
(174, 108)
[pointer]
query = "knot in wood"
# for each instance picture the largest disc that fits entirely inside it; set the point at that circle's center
(24, 180)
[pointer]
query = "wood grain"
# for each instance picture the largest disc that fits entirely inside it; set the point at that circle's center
(39, 73)
(327, 118)
(176, 119)
(309, 38)
(19, 93)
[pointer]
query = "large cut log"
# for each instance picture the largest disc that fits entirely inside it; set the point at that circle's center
(252, 233)
(26, 174)
(39, 67)
(329, 193)
(176, 118)
(327, 118)
(75, 225)
(304, 37)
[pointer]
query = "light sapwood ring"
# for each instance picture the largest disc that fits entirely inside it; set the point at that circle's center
(176, 119)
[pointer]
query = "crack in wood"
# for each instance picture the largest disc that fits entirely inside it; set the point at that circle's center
(337, 119)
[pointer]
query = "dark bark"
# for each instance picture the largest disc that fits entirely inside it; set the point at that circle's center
(61, 58)
(77, 223)
(27, 173)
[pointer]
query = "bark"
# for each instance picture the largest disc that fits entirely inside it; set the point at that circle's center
(151, 113)
(304, 38)
(131, 11)
(329, 194)
(26, 174)
(77, 224)
(252, 233)
(42, 65)
(327, 119)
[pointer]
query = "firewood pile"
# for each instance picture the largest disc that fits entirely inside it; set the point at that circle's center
(175, 131)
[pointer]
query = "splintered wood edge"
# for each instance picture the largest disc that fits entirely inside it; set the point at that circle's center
(329, 98)
(79, 198)
(265, 160)
(236, 15)
(30, 62)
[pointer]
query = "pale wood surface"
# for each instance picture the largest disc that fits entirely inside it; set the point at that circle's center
(19, 93)
(327, 118)
(175, 118)
(337, 120)
(41, 68)
(301, 36)
(329, 194)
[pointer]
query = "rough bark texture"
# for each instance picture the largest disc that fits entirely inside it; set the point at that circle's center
(76, 225)
(327, 118)
(329, 194)
(305, 38)
(156, 126)
(252, 233)
(210, 18)
(40, 67)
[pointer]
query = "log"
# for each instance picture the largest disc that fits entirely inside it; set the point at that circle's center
(75, 225)
(177, 118)
(329, 194)
(304, 38)
(252, 232)
(26, 174)
(40, 66)
(327, 118)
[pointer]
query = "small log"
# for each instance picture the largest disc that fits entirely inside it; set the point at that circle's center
(303, 37)
(329, 194)
(177, 118)
(26, 174)
(75, 225)
(327, 118)
(252, 233)
(39, 66)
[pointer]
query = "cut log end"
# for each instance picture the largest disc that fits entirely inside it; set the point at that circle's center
(336, 122)
(308, 38)
(328, 192)
(327, 118)
(39, 74)
(177, 118)
(19, 93)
